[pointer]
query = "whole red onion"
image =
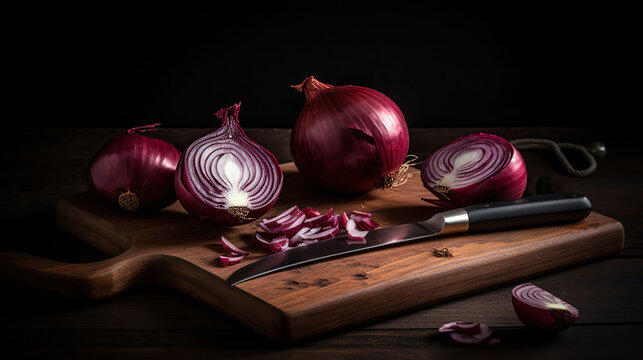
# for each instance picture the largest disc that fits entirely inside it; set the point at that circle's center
(225, 178)
(135, 172)
(348, 139)
(475, 169)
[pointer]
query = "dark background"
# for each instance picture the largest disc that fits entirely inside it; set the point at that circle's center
(461, 65)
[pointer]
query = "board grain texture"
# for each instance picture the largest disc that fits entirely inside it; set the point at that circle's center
(172, 249)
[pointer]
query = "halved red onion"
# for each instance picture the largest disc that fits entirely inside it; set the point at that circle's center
(225, 178)
(538, 308)
(277, 221)
(475, 169)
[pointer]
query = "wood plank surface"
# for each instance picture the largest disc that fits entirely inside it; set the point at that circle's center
(47, 164)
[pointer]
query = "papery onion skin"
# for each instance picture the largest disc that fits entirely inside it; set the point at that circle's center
(348, 139)
(507, 181)
(133, 172)
(225, 178)
(540, 309)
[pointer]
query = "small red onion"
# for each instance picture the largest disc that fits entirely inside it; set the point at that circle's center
(475, 169)
(348, 139)
(538, 308)
(134, 172)
(225, 178)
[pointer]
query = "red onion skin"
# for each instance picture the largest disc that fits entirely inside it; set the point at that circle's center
(348, 138)
(508, 184)
(139, 164)
(218, 216)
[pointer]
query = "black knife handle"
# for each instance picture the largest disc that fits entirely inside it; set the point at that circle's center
(529, 211)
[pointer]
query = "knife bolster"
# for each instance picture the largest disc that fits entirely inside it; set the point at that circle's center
(455, 221)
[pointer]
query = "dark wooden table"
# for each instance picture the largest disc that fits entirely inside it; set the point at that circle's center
(42, 165)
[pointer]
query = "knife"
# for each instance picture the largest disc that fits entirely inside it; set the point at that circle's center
(500, 215)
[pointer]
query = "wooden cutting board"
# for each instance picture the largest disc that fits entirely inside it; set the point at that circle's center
(172, 249)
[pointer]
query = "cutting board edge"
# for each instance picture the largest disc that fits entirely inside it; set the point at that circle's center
(188, 278)
(79, 222)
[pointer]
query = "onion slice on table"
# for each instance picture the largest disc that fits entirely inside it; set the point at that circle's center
(469, 333)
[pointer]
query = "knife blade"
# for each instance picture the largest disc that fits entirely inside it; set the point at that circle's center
(492, 216)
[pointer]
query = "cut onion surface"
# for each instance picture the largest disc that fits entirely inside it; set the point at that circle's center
(225, 178)
(474, 169)
(538, 308)
(297, 227)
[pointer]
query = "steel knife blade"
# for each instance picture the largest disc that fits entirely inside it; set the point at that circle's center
(499, 215)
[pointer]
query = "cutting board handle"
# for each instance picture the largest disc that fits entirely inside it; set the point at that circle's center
(95, 280)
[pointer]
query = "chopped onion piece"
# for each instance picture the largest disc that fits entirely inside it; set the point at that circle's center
(367, 224)
(231, 248)
(294, 227)
(359, 213)
(321, 220)
(343, 219)
(310, 212)
(353, 232)
(297, 238)
(278, 220)
(464, 327)
(233, 254)
(227, 260)
(273, 245)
